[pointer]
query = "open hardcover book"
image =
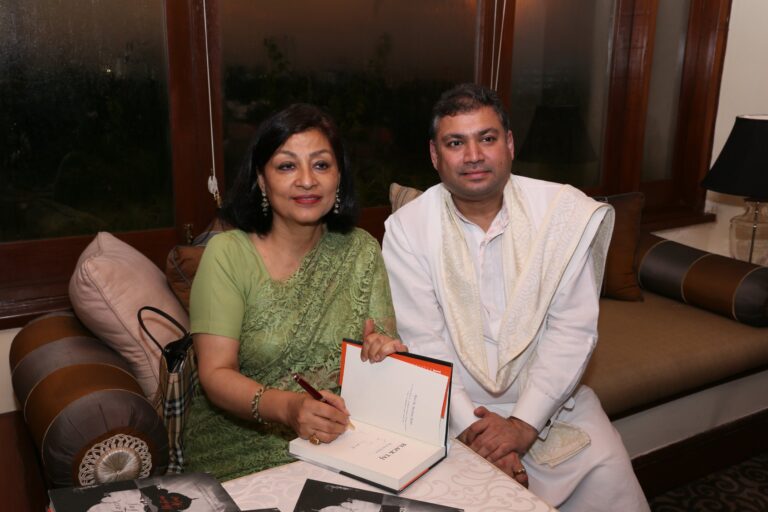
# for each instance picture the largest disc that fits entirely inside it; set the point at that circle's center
(400, 411)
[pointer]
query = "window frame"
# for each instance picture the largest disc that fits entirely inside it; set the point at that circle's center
(35, 274)
(678, 200)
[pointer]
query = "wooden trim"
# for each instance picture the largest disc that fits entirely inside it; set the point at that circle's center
(699, 96)
(628, 95)
(669, 219)
(23, 486)
(190, 128)
(484, 42)
(695, 457)
(38, 281)
(504, 27)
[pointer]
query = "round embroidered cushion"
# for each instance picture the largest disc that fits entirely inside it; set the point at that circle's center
(84, 409)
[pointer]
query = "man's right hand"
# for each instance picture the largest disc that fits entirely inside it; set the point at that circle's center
(501, 441)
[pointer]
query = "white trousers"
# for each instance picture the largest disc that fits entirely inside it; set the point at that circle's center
(600, 477)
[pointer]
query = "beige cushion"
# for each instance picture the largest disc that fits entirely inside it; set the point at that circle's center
(112, 280)
(399, 195)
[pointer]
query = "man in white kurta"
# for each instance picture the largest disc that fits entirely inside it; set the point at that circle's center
(501, 274)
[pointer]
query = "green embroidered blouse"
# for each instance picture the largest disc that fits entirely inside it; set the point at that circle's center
(288, 326)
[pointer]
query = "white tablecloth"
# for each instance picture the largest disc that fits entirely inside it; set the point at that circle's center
(463, 480)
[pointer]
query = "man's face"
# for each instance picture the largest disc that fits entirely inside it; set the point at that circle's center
(473, 155)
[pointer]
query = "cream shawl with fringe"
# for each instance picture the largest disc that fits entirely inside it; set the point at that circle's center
(534, 263)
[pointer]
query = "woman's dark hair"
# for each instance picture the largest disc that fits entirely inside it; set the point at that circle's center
(242, 205)
(465, 98)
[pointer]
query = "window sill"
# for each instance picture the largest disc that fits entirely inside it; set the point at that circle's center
(21, 302)
(655, 221)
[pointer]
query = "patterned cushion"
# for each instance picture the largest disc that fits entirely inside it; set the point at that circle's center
(729, 287)
(183, 260)
(180, 269)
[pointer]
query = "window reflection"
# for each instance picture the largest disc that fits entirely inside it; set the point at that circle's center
(84, 118)
(376, 65)
(559, 88)
(664, 89)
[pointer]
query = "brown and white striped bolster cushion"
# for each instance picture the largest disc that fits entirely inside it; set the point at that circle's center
(84, 408)
(729, 287)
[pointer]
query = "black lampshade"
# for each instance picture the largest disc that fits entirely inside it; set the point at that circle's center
(742, 167)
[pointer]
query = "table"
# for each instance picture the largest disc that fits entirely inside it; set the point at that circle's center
(463, 480)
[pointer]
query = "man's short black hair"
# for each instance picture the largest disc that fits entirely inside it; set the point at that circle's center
(465, 98)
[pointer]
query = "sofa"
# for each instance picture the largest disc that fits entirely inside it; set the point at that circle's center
(675, 322)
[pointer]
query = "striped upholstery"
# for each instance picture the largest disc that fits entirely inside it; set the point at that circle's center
(399, 195)
(729, 287)
(84, 408)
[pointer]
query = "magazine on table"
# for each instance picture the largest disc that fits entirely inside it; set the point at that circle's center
(191, 492)
(399, 408)
(317, 496)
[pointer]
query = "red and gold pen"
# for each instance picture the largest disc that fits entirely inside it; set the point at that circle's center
(315, 393)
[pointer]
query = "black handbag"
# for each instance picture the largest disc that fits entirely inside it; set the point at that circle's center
(178, 382)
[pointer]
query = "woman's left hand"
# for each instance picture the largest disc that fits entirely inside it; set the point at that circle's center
(377, 346)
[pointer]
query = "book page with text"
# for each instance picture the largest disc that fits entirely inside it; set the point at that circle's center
(407, 398)
(374, 450)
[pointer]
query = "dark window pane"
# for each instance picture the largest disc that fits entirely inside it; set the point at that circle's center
(664, 89)
(376, 65)
(84, 118)
(559, 88)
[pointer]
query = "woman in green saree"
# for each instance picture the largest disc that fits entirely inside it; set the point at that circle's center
(276, 295)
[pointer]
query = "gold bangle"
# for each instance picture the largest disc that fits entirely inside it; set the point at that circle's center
(255, 405)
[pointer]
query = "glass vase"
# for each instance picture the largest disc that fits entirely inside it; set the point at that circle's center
(749, 233)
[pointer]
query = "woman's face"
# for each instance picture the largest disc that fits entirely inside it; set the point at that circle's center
(301, 179)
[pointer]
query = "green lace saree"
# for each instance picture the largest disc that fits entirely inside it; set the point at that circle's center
(283, 327)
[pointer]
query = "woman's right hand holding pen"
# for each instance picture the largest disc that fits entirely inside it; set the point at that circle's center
(305, 415)
(227, 388)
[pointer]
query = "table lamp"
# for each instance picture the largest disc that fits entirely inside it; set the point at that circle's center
(742, 169)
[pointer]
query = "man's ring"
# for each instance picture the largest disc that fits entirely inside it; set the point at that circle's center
(520, 471)
(314, 440)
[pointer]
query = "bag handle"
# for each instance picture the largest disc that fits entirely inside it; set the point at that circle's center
(164, 315)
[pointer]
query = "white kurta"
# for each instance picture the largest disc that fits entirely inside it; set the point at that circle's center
(412, 242)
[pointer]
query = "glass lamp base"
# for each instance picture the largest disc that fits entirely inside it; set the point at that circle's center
(749, 234)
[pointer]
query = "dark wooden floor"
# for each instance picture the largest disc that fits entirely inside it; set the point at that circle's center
(21, 482)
